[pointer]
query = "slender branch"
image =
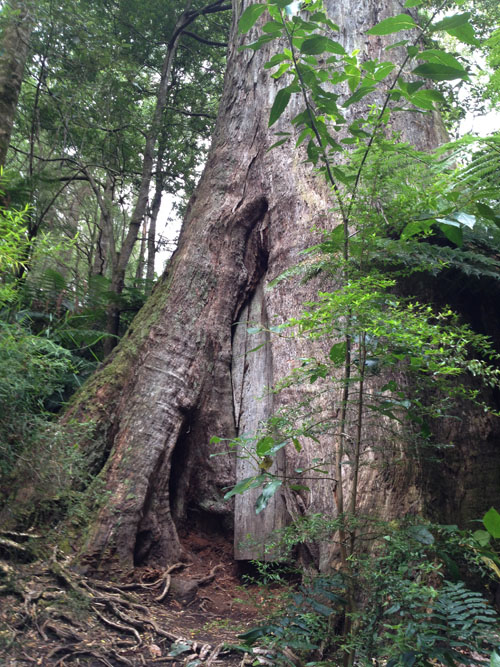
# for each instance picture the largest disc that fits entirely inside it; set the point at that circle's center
(303, 89)
(192, 114)
(339, 498)
(359, 428)
(59, 192)
(204, 41)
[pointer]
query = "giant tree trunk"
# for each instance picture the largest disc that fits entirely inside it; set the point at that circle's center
(182, 372)
(14, 43)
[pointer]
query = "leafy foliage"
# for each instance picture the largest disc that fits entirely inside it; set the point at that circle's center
(398, 604)
(412, 611)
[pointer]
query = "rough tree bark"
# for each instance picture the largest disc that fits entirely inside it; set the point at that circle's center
(181, 374)
(14, 44)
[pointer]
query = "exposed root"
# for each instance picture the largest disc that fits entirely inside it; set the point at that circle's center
(10, 545)
(72, 614)
(163, 594)
(118, 626)
(168, 579)
(210, 577)
(19, 537)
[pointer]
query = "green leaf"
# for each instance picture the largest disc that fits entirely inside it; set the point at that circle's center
(253, 634)
(297, 445)
(482, 536)
(337, 352)
(256, 348)
(312, 151)
(280, 142)
(358, 95)
(267, 445)
(245, 484)
(425, 99)
(412, 3)
(353, 75)
(438, 72)
(356, 131)
(453, 232)
(458, 26)
(413, 86)
(272, 28)
(421, 534)
(284, 67)
(280, 103)
(299, 487)
(320, 608)
(336, 238)
(281, 3)
(320, 44)
(276, 60)
(267, 493)
(393, 24)
(250, 17)
(409, 658)
(390, 386)
(438, 56)
(383, 71)
(465, 34)
(451, 22)
(402, 42)
(306, 132)
(264, 445)
(487, 212)
(491, 522)
(255, 46)
(495, 659)
(416, 227)
(342, 176)
(180, 647)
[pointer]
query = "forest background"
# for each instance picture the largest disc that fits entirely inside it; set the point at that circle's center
(112, 106)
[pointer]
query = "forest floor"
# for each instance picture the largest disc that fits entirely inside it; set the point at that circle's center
(190, 614)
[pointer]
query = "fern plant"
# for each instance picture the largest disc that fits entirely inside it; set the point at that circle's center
(447, 624)
(410, 611)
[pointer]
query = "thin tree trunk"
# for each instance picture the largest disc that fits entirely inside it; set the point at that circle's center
(105, 236)
(183, 371)
(139, 273)
(151, 240)
(14, 44)
(155, 209)
(118, 278)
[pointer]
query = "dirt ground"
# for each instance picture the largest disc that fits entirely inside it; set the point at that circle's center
(190, 614)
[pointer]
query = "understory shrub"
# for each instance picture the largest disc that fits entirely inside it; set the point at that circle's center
(412, 606)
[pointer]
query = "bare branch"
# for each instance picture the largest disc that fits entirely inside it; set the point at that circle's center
(204, 41)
